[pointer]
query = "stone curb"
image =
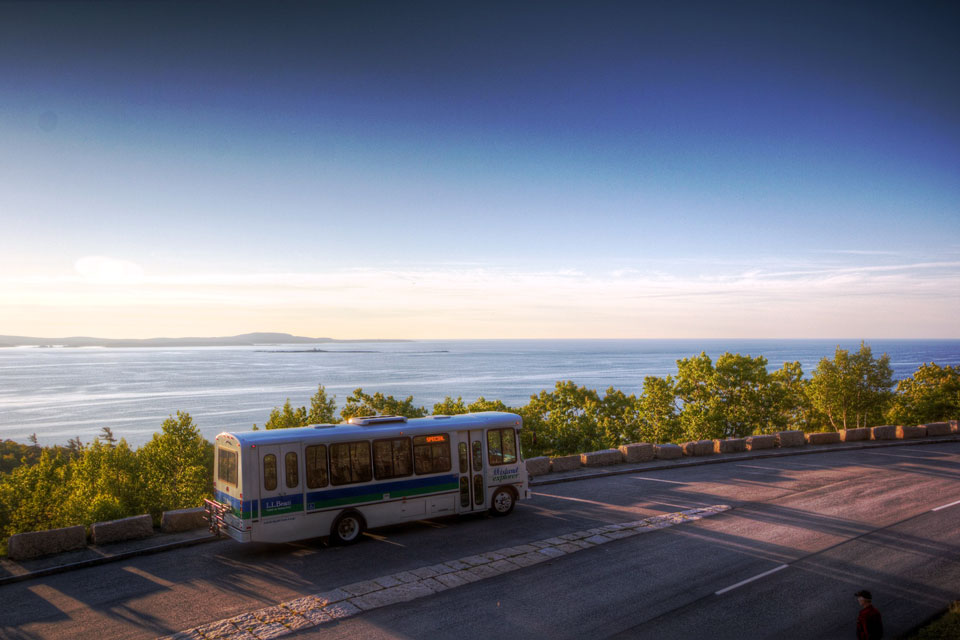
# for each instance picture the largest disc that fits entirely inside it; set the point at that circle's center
(723, 458)
(349, 600)
(146, 551)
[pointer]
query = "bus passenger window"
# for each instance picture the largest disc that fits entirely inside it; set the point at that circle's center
(391, 458)
(464, 462)
(431, 454)
(269, 472)
(350, 462)
(509, 437)
(290, 466)
(502, 446)
(494, 453)
(477, 455)
(316, 459)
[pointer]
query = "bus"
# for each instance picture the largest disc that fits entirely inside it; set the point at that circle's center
(340, 480)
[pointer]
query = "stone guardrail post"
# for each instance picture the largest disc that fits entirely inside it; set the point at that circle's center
(130, 528)
(22, 546)
(790, 439)
(565, 463)
(183, 520)
(667, 451)
(767, 441)
(825, 437)
(886, 432)
(730, 445)
(637, 452)
(539, 466)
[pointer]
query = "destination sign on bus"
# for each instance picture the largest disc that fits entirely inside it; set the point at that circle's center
(436, 438)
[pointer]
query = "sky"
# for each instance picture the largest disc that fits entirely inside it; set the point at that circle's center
(480, 170)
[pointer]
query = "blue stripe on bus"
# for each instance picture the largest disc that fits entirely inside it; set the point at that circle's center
(375, 492)
(244, 509)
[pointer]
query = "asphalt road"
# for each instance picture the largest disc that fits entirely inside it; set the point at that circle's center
(810, 529)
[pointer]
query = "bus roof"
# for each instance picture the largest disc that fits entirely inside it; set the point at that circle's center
(344, 432)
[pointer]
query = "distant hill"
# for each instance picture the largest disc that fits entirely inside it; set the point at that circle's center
(247, 339)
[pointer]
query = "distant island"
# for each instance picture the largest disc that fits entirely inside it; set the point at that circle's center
(244, 340)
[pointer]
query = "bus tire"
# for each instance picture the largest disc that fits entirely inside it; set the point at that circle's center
(502, 502)
(347, 528)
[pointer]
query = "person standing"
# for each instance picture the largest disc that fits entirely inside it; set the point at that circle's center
(869, 622)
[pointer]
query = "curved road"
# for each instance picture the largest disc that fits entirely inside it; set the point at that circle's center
(804, 534)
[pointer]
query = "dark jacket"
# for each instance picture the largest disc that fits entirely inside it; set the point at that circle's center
(869, 624)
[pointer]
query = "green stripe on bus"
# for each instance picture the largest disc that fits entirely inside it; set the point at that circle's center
(378, 496)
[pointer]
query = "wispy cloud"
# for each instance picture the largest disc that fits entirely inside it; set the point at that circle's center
(473, 301)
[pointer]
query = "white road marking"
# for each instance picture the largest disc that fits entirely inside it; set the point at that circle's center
(748, 580)
(755, 466)
(657, 480)
(895, 455)
(944, 506)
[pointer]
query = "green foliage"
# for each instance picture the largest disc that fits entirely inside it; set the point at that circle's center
(450, 407)
(287, 417)
(105, 483)
(362, 404)
(32, 497)
(932, 394)
(659, 417)
(730, 399)
(946, 627)
(852, 390)
(323, 410)
(176, 466)
(562, 421)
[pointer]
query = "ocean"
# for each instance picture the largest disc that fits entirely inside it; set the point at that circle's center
(61, 393)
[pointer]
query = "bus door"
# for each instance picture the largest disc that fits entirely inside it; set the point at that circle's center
(473, 491)
(281, 485)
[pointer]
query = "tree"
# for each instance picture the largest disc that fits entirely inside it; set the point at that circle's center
(105, 483)
(32, 497)
(287, 417)
(176, 466)
(362, 404)
(450, 407)
(734, 398)
(657, 409)
(106, 434)
(561, 421)
(617, 417)
(852, 390)
(932, 394)
(323, 410)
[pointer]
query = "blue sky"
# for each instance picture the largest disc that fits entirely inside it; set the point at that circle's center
(487, 170)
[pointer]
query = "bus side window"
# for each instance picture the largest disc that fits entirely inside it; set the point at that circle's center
(269, 472)
(316, 458)
(350, 462)
(494, 452)
(431, 454)
(477, 455)
(464, 461)
(509, 437)
(290, 466)
(391, 458)
(502, 446)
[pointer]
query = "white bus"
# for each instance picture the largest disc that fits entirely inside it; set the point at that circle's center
(339, 480)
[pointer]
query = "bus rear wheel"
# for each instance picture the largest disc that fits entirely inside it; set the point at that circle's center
(502, 502)
(347, 528)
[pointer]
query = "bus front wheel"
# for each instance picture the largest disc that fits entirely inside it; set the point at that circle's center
(503, 502)
(347, 528)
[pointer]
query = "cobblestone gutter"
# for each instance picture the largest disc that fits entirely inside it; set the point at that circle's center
(351, 599)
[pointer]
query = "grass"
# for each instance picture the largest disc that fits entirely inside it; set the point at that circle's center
(946, 627)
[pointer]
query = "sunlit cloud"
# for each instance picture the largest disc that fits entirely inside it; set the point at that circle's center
(461, 301)
(104, 270)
